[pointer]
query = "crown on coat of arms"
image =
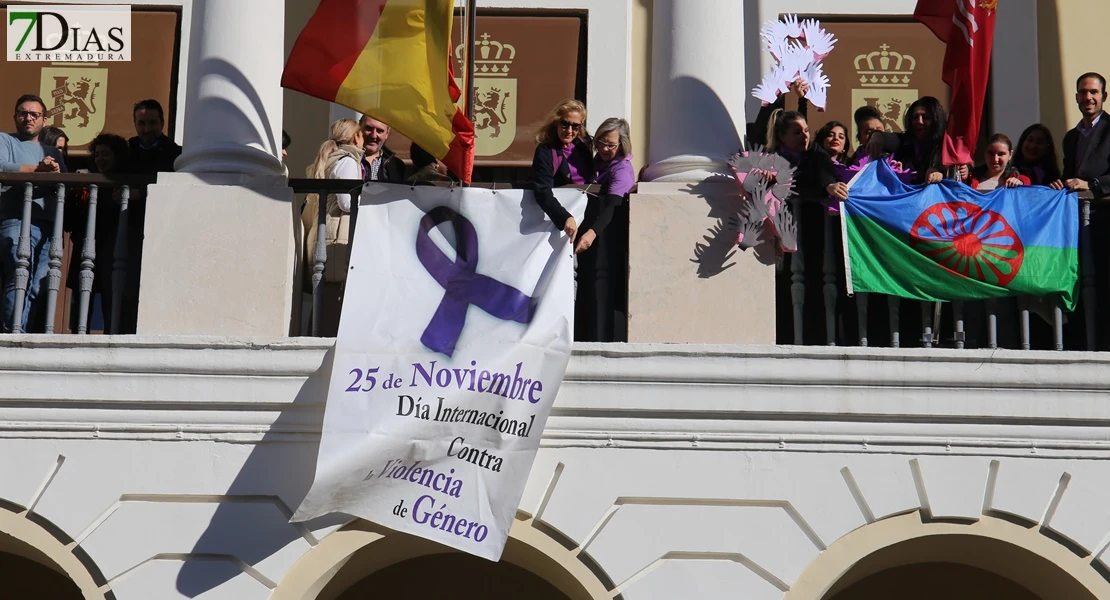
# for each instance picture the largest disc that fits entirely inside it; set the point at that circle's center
(492, 58)
(885, 68)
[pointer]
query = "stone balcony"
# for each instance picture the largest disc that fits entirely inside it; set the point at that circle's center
(168, 467)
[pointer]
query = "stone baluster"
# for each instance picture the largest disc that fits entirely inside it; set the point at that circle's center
(319, 258)
(88, 256)
(1024, 319)
(992, 323)
(828, 268)
(54, 276)
(23, 260)
(1058, 326)
(958, 319)
(893, 304)
(119, 266)
(927, 324)
(798, 277)
(861, 316)
(1087, 271)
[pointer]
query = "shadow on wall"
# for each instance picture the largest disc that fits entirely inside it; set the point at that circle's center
(715, 250)
(715, 121)
(719, 244)
(282, 464)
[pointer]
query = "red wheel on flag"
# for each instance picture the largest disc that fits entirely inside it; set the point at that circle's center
(969, 241)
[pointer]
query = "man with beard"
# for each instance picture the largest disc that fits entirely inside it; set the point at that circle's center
(1087, 168)
(1087, 146)
(23, 153)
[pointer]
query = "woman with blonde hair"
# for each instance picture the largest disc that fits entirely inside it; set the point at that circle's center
(563, 157)
(339, 158)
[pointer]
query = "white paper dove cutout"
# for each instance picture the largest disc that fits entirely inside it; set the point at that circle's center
(797, 49)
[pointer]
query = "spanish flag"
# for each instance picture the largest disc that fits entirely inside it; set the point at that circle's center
(389, 59)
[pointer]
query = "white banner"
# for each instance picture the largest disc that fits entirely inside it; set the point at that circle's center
(455, 336)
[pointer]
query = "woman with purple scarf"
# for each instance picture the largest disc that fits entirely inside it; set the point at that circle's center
(602, 257)
(563, 157)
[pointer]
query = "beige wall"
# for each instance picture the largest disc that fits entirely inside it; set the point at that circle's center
(1069, 44)
(305, 118)
(641, 80)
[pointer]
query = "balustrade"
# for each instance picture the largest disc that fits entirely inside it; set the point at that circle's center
(62, 194)
(989, 324)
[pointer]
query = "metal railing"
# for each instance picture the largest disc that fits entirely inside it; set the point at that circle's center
(55, 190)
(833, 310)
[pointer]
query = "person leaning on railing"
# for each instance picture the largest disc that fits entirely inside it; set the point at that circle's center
(562, 157)
(23, 157)
(111, 157)
(602, 251)
(788, 136)
(1087, 169)
(54, 137)
(828, 149)
(338, 158)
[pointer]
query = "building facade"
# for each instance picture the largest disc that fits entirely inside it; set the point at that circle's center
(697, 461)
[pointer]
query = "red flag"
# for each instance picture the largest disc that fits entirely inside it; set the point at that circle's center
(389, 59)
(967, 27)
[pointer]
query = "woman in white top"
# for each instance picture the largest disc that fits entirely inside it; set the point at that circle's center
(339, 158)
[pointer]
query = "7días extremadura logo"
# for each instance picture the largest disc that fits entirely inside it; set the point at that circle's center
(75, 33)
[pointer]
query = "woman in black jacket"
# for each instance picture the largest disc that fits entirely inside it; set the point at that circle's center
(920, 148)
(603, 249)
(563, 157)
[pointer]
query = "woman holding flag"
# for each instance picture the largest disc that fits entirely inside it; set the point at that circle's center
(997, 171)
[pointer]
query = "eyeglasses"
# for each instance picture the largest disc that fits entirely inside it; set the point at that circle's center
(604, 146)
(23, 114)
(568, 125)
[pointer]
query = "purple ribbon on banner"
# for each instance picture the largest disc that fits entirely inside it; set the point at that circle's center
(462, 284)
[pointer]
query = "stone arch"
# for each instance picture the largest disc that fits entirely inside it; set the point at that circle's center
(30, 542)
(361, 549)
(994, 546)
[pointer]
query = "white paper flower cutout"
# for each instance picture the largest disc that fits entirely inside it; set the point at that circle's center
(797, 50)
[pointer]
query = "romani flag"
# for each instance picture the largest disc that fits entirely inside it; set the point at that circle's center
(389, 59)
(946, 241)
(967, 27)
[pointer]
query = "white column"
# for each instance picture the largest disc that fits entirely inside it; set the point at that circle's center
(233, 99)
(222, 233)
(697, 88)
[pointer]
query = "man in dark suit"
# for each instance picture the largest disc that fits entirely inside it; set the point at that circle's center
(1087, 168)
(151, 150)
(1087, 146)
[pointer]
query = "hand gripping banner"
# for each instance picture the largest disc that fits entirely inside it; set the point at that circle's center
(454, 339)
